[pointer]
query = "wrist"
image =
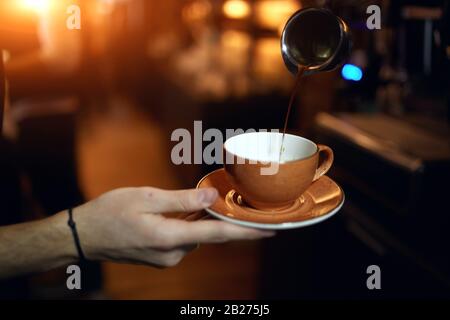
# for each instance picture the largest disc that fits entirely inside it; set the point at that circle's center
(68, 247)
(76, 238)
(84, 225)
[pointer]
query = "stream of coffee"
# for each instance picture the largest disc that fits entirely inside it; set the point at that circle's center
(301, 71)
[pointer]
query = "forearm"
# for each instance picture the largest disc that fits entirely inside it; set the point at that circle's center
(36, 246)
(125, 225)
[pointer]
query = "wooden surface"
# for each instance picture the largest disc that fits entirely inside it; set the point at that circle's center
(412, 138)
(407, 142)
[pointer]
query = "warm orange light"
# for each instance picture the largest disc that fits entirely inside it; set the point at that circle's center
(105, 7)
(197, 10)
(273, 14)
(235, 39)
(268, 61)
(236, 9)
(36, 5)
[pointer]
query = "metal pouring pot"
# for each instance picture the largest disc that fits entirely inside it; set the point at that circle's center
(316, 39)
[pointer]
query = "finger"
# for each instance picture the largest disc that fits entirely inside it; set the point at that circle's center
(171, 258)
(189, 247)
(210, 231)
(162, 201)
(196, 216)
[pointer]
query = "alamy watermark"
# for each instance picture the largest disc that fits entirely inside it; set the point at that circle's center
(73, 281)
(189, 149)
(374, 280)
(73, 21)
(374, 20)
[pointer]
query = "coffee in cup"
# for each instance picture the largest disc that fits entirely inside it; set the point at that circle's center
(267, 179)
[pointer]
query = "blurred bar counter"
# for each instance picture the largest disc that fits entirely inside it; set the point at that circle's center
(395, 174)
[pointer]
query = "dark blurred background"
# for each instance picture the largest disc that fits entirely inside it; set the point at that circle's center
(92, 110)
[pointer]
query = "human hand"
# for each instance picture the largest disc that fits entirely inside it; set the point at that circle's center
(126, 225)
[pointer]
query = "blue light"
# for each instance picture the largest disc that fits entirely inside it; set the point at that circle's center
(352, 72)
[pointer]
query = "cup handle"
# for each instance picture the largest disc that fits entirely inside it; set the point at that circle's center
(325, 162)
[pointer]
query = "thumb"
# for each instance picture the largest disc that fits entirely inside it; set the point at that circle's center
(182, 200)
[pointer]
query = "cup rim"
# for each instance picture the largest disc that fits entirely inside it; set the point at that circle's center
(275, 133)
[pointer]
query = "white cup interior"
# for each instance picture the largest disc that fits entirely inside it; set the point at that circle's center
(266, 146)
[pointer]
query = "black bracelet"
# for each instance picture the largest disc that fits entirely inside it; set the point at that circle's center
(73, 227)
